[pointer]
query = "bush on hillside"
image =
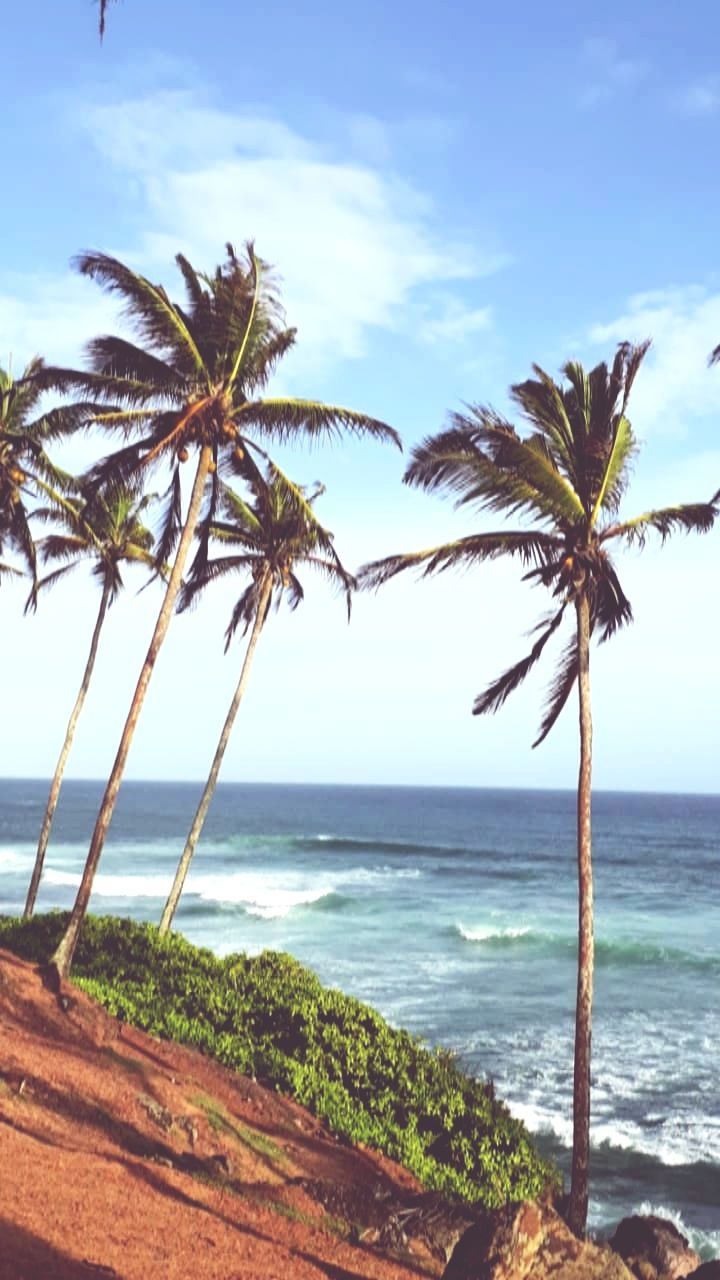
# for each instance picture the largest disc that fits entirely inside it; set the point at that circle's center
(270, 1018)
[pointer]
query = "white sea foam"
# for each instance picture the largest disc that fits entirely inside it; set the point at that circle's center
(486, 933)
(108, 885)
(265, 896)
(11, 860)
(257, 895)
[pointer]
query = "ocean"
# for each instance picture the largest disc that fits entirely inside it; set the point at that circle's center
(453, 911)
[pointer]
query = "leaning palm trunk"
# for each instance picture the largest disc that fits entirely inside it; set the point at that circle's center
(171, 905)
(577, 1215)
(62, 761)
(63, 956)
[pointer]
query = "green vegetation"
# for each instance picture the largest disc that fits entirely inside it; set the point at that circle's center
(269, 1017)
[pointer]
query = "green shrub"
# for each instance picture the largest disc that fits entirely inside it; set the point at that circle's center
(269, 1017)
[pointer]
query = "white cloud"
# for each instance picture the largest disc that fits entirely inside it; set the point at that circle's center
(360, 250)
(607, 72)
(700, 99)
(448, 320)
(356, 244)
(675, 385)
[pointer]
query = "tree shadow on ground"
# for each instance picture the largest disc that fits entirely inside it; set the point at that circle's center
(24, 1256)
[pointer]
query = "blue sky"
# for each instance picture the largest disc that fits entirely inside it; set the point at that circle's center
(448, 197)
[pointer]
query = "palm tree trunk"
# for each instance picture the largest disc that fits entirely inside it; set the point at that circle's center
(577, 1215)
(62, 761)
(170, 908)
(63, 956)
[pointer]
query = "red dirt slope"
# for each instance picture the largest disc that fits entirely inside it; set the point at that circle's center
(124, 1156)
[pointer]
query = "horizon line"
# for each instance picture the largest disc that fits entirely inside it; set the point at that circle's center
(368, 786)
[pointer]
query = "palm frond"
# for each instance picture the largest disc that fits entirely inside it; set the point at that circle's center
(115, 358)
(615, 477)
(101, 16)
(244, 612)
(697, 517)
(9, 571)
(336, 575)
(282, 417)
(463, 552)
(560, 690)
(215, 568)
(610, 608)
(50, 579)
(58, 546)
(497, 693)
(170, 520)
(148, 308)
(541, 402)
(512, 476)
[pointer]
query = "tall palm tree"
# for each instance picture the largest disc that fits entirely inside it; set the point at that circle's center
(274, 534)
(26, 471)
(105, 528)
(567, 476)
(194, 384)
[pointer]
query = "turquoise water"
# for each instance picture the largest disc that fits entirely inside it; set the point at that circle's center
(454, 913)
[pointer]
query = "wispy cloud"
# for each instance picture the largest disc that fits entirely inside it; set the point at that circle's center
(357, 245)
(702, 98)
(676, 387)
(360, 249)
(607, 72)
(449, 320)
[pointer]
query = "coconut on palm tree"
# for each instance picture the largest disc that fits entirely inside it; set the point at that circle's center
(193, 384)
(268, 538)
(105, 529)
(26, 471)
(567, 476)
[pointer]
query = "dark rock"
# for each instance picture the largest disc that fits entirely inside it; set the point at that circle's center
(654, 1249)
(707, 1271)
(529, 1240)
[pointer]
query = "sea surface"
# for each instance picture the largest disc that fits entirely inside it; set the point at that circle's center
(453, 911)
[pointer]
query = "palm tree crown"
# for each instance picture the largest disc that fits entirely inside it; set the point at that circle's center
(25, 468)
(197, 378)
(272, 534)
(104, 527)
(568, 476)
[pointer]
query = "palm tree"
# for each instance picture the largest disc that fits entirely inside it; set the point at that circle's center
(194, 385)
(567, 476)
(105, 528)
(26, 471)
(274, 534)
